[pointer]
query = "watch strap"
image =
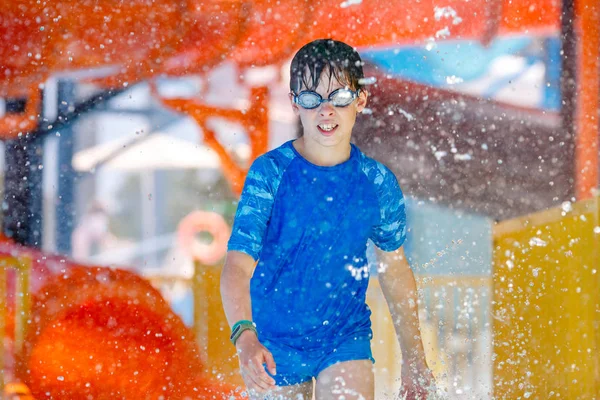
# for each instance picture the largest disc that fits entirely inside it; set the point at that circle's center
(240, 327)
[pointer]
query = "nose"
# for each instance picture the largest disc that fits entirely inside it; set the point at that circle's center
(326, 108)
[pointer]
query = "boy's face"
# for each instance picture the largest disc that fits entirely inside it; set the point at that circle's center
(342, 118)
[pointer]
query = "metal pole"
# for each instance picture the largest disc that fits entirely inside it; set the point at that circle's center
(568, 83)
(22, 205)
(65, 207)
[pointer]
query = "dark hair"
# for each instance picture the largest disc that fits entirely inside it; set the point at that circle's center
(338, 59)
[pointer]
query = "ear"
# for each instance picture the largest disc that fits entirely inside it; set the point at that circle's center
(361, 103)
(294, 105)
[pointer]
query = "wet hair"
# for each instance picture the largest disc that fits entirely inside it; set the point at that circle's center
(330, 56)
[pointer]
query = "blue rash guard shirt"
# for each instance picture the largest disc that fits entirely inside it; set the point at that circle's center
(308, 226)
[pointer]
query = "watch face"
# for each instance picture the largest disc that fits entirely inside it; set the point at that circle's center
(236, 330)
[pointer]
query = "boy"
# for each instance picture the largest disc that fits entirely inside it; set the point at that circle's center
(295, 277)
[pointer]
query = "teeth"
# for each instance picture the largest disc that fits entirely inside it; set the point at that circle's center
(327, 127)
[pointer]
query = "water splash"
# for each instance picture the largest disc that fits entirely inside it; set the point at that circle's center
(453, 80)
(440, 154)
(369, 80)
(449, 247)
(447, 12)
(442, 33)
(358, 273)
(430, 44)
(536, 241)
(349, 3)
(408, 115)
(462, 157)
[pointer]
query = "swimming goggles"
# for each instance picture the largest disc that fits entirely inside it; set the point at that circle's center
(309, 99)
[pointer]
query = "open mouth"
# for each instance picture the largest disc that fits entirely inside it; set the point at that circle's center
(327, 129)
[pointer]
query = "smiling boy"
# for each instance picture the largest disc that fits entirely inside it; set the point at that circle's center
(295, 279)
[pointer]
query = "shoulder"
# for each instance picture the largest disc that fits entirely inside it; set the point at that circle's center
(267, 170)
(378, 174)
(273, 163)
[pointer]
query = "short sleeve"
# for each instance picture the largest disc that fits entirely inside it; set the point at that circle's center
(254, 209)
(390, 233)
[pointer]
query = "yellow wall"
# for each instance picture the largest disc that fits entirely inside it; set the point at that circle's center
(545, 305)
(212, 328)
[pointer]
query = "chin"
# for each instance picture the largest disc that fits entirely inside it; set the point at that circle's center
(332, 140)
(329, 140)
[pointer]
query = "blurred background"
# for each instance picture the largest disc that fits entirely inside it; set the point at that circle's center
(127, 131)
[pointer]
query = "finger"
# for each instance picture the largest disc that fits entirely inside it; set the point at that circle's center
(262, 374)
(251, 382)
(257, 377)
(248, 368)
(270, 363)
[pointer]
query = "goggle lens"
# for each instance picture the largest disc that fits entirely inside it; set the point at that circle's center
(309, 99)
(341, 98)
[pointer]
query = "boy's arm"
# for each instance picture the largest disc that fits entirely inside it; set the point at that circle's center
(400, 291)
(235, 295)
(235, 286)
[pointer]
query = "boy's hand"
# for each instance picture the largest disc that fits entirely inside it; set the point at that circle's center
(418, 383)
(253, 355)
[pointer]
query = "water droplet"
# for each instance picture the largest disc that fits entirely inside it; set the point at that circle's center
(453, 80)
(537, 242)
(371, 80)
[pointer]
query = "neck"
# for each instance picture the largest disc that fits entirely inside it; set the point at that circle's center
(324, 156)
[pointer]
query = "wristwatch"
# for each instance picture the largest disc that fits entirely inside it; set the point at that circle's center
(239, 327)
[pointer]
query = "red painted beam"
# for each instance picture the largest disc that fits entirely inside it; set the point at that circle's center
(588, 101)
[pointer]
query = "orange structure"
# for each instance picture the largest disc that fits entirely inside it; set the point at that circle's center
(102, 333)
(255, 120)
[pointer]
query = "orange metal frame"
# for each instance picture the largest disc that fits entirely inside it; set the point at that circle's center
(588, 101)
(255, 119)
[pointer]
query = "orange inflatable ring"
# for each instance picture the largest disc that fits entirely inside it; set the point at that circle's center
(204, 221)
